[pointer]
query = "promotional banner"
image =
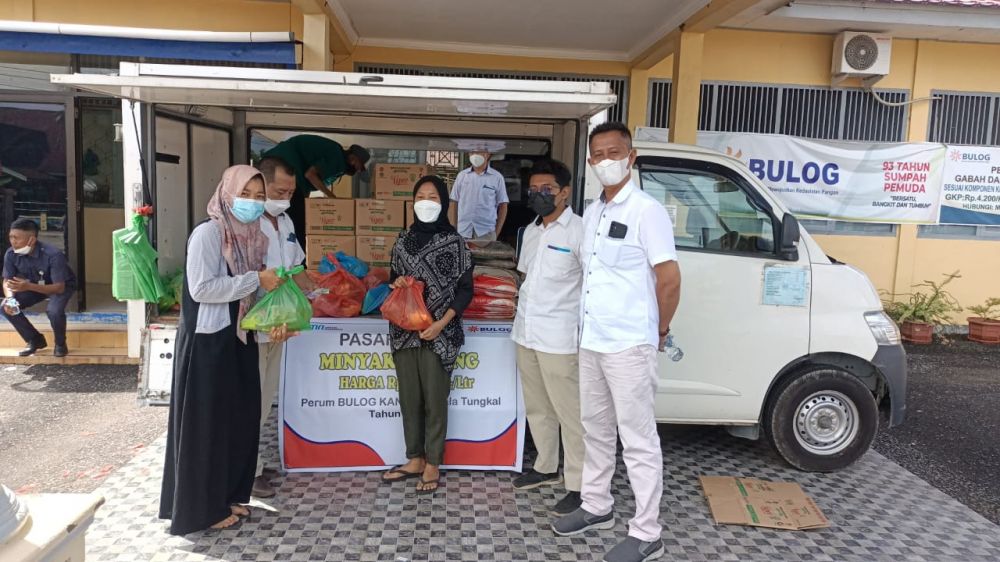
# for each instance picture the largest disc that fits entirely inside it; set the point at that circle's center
(855, 181)
(971, 193)
(339, 404)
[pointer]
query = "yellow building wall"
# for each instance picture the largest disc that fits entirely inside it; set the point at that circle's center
(875, 255)
(417, 57)
(98, 224)
(977, 260)
(201, 15)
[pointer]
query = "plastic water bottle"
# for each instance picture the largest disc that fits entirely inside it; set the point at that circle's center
(13, 305)
(671, 349)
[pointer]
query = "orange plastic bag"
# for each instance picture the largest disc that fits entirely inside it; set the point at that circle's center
(376, 276)
(405, 307)
(344, 294)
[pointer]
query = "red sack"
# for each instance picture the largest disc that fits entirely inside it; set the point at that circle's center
(405, 307)
(376, 276)
(346, 293)
(485, 307)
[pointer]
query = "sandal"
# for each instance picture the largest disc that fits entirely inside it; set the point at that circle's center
(227, 523)
(243, 511)
(436, 482)
(406, 475)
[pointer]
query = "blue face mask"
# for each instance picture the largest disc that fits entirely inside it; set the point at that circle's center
(247, 210)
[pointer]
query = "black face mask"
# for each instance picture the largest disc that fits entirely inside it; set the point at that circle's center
(544, 204)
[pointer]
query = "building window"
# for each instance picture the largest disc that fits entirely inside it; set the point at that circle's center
(619, 84)
(833, 227)
(965, 118)
(959, 232)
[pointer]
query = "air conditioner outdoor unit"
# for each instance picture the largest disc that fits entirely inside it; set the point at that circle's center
(864, 55)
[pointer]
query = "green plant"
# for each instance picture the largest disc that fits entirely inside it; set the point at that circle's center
(990, 310)
(935, 305)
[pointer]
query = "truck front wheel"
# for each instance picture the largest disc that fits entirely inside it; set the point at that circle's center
(821, 421)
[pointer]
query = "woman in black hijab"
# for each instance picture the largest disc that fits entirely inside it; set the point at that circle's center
(433, 252)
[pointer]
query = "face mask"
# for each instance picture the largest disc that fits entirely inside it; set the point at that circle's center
(247, 210)
(611, 172)
(275, 207)
(23, 251)
(477, 160)
(427, 210)
(543, 204)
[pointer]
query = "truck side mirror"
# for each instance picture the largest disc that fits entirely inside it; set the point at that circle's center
(788, 248)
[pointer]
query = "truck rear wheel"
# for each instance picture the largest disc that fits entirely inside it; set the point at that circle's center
(821, 421)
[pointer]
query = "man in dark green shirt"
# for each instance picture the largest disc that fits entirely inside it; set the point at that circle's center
(318, 162)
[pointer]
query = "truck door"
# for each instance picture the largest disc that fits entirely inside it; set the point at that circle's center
(736, 334)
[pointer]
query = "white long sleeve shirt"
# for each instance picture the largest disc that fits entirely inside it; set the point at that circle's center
(209, 281)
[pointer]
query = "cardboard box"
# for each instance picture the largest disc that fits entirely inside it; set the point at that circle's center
(319, 245)
(759, 503)
(408, 211)
(344, 188)
(379, 218)
(376, 251)
(395, 181)
(330, 216)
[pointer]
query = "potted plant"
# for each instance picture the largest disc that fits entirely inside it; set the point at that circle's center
(984, 327)
(928, 306)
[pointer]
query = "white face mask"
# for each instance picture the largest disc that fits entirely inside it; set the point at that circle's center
(23, 251)
(275, 207)
(427, 210)
(477, 160)
(611, 172)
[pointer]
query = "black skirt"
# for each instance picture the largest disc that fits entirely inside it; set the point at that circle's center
(214, 424)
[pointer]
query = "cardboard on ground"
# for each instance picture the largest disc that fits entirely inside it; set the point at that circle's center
(759, 503)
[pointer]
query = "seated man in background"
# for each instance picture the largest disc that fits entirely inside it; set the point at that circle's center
(32, 272)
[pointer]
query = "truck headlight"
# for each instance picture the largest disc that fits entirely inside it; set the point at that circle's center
(883, 328)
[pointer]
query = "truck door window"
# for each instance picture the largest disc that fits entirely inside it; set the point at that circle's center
(710, 212)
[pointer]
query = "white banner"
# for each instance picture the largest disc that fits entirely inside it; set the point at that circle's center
(856, 181)
(339, 405)
(971, 193)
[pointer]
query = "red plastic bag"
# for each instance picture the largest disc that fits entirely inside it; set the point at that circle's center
(405, 307)
(344, 297)
(376, 276)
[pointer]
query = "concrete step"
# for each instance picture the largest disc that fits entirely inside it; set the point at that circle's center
(77, 356)
(75, 339)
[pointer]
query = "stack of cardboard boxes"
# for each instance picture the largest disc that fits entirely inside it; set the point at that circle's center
(366, 228)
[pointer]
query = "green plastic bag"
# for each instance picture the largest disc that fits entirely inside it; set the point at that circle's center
(175, 291)
(135, 275)
(284, 305)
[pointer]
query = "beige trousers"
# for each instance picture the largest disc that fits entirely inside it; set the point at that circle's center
(618, 391)
(270, 375)
(551, 384)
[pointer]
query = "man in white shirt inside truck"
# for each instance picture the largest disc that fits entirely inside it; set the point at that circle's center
(546, 330)
(283, 250)
(480, 200)
(631, 288)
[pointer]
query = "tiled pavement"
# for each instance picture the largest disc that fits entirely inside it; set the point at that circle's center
(877, 510)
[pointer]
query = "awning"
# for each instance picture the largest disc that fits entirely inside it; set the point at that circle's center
(247, 51)
(349, 93)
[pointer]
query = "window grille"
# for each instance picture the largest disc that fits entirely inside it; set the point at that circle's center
(965, 118)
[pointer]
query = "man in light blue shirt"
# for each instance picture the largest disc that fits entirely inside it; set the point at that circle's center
(480, 197)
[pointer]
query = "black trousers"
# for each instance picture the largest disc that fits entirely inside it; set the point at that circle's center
(56, 311)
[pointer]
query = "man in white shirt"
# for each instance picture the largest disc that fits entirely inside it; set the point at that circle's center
(283, 250)
(631, 288)
(480, 200)
(546, 330)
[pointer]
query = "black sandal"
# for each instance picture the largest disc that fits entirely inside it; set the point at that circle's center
(406, 475)
(436, 482)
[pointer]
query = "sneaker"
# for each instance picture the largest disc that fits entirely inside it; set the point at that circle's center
(582, 520)
(532, 479)
(570, 503)
(634, 550)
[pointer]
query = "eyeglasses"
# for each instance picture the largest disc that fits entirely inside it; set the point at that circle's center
(549, 189)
